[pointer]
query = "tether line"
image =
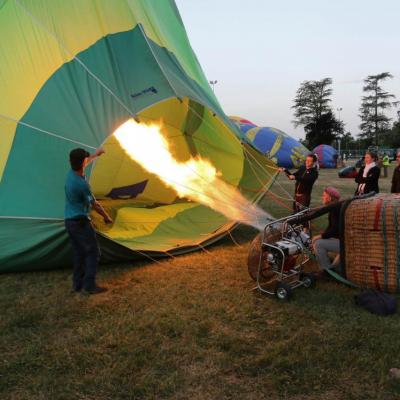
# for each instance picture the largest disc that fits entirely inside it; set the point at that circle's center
(45, 131)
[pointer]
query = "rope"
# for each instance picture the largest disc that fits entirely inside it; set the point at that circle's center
(146, 255)
(204, 249)
(159, 64)
(169, 254)
(284, 198)
(276, 181)
(45, 131)
(255, 173)
(233, 239)
(277, 201)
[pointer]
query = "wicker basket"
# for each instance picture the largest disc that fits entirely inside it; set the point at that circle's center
(371, 242)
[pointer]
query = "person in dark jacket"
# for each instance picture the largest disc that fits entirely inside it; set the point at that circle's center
(305, 177)
(396, 176)
(328, 241)
(368, 176)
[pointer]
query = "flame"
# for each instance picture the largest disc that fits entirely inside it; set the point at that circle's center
(196, 179)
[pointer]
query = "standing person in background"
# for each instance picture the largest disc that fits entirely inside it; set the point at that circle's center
(304, 177)
(79, 200)
(385, 163)
(368, 175)
(396, 175)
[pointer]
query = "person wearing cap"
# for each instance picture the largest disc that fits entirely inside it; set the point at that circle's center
(396, 175)
(328, 241)
(304, 177)
(368, 176)
(78, 203)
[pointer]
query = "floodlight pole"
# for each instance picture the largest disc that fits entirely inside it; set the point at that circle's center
(339, 109)
(213, 83)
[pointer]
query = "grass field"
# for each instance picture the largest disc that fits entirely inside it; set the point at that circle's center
(191, 328)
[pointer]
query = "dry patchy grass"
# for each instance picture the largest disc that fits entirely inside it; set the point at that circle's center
(191, 327)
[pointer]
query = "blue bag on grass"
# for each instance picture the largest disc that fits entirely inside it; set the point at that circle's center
(376, 302)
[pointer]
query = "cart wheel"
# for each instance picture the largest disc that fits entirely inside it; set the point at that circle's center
(283, 291)
(308, 280)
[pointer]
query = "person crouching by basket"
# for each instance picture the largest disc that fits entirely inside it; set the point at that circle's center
(368, 175)
(328, 241)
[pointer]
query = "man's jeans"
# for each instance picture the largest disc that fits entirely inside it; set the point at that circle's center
(86, 253)
(322, 247)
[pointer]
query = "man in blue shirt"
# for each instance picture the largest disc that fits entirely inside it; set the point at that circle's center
(79, 201)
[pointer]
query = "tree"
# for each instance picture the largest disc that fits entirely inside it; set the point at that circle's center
(311, 101)
(347, 141)
(395, 135)
(323, 130)
(374, 122)
(312, 110)
(392, 137)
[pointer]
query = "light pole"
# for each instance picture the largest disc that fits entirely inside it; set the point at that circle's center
(338, 110)
(213, 83)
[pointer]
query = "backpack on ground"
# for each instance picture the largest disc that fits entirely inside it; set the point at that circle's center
(376, 302)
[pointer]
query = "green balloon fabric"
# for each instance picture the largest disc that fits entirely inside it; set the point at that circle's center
(71, 74)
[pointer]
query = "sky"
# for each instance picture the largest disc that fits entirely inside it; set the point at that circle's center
(260, 51)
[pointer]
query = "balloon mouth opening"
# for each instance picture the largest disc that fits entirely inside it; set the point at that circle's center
(144, 192)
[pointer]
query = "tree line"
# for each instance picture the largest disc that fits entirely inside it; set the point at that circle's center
(313, 111)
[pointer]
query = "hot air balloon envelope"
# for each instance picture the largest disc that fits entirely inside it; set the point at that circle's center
(71, 73)
(276, 145)
(327, 156)
(348, 172)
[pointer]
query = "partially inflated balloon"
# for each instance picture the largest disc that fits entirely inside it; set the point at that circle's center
(327, 156)
(276, 145)
(71, 73)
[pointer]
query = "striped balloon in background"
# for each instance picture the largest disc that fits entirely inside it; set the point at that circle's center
(276, 145)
